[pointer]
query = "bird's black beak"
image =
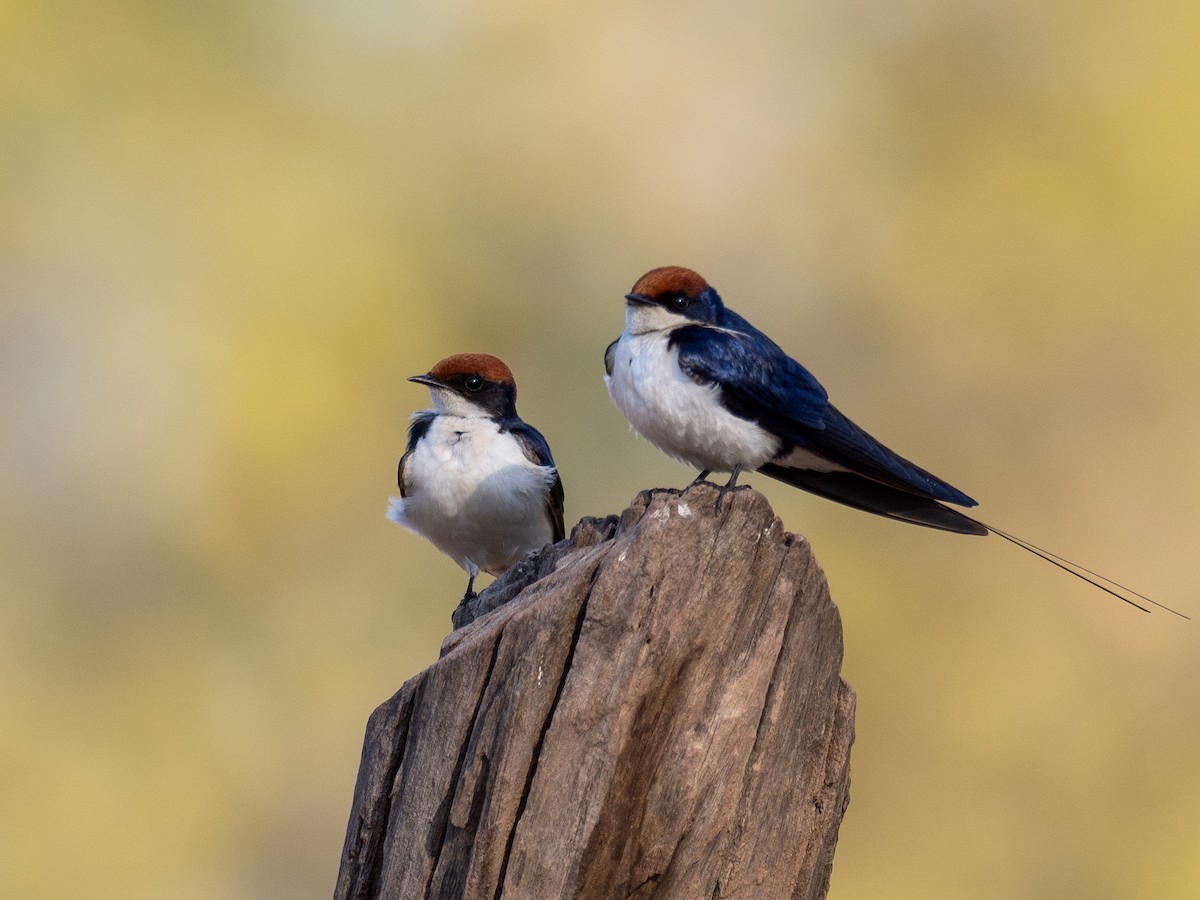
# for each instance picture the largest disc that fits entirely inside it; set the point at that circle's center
(427, 380)
(639, 299)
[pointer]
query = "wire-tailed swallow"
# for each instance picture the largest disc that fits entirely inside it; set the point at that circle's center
(475, 481)
(709, 389)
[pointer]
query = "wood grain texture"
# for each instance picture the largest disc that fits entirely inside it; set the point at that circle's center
(652, 708)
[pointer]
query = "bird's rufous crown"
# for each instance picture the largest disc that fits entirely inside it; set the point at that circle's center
(670, 280)
(484, 365)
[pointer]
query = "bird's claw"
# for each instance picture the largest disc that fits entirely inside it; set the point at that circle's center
(728, 486)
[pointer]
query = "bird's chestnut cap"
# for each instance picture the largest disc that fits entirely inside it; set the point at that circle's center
(666, 281)
(484, 365)
(470, 373)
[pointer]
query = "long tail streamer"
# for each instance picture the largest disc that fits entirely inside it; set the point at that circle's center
(1118, 590)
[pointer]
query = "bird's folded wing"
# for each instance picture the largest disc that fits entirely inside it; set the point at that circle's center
(844, 443)
(538, 451)
(761, 383)
(758, 381)
(420, 424)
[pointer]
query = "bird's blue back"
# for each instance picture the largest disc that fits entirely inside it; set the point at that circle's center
(761, 383)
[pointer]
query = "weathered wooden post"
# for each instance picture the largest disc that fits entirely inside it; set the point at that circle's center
(655, 710)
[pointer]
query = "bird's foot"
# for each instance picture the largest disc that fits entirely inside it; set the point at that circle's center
(728, 486)
(470, 594)
(699, 479)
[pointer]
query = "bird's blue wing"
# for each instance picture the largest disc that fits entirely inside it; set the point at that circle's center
(844, 443)
(537, 450)
(761, 383)
(420, 424)
(758, 381)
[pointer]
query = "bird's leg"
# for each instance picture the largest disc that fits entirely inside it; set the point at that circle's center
(699, 478)
(470, 594)
(729, 485)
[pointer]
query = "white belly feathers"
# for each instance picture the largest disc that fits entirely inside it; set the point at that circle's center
(678, 416)
(475, 495)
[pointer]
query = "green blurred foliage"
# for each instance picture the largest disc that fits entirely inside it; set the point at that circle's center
(228, 232)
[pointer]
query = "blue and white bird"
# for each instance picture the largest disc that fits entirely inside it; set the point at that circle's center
(475, 481)
(709, 389)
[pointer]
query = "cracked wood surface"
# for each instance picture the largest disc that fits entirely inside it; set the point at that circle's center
(652, 708)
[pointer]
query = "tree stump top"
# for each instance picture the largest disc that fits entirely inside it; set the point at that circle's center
(652, 707)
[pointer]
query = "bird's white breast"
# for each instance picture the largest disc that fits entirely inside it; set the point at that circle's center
(474, 494)
(684, 419)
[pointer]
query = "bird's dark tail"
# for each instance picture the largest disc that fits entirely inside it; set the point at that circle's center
(883, 500)
(873, 497)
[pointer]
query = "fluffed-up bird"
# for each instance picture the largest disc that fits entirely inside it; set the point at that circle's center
(709, 389)
(476, 481)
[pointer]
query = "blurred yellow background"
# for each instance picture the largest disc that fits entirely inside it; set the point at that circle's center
(229, 231)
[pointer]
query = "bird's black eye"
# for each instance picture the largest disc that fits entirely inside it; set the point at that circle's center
(679, 302)
(473, 382)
